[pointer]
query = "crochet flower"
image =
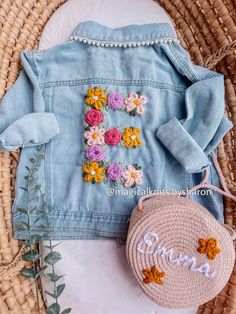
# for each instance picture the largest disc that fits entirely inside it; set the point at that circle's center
(153, 275)
(95, 97)
(95, 153)
(112, 137)
(95, 135)
(209, 247)
(132, 176)
(94, 117)
(131, 137)
(134, 103)
(115, 100)
(93, 172)
(114, 171)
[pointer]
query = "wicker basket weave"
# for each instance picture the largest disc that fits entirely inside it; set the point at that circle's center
(206, 29)
(21, 23)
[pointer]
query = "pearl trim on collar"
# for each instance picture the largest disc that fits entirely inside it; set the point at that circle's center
(124, 44)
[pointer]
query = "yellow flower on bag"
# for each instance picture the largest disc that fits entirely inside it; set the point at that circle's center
(153, 275)
(93, 172)
(209, 247)
(95, 97)
(131, 137)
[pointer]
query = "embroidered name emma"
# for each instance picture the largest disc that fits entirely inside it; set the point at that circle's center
(148, 246)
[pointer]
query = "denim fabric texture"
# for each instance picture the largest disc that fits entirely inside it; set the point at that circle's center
(182, 123)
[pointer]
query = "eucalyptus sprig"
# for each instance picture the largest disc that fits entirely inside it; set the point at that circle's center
(33, 193)
(51, 259)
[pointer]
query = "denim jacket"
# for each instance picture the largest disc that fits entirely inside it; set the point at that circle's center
(120, 113)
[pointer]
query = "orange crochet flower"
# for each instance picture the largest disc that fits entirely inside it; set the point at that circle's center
(153, 275)
(93, 172)
(209, 247)
(95, 97)
(131, 137)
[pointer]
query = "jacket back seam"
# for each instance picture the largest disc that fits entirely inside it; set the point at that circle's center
(161, 85)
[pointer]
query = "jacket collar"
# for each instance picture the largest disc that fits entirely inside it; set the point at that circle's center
(128, 36)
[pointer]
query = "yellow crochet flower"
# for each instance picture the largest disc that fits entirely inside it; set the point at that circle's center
(93, 172)
(131, 137)
(208, 247)
(95, 97)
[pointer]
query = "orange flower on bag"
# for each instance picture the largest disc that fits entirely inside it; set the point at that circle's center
(153, 275)
(209, 247)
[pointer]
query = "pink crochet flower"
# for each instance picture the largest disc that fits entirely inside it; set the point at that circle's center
(95, 135)
(135, 102)
(93, 117)
(112, 137)
(132, 176)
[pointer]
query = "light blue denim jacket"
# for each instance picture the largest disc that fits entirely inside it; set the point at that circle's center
(121, 112)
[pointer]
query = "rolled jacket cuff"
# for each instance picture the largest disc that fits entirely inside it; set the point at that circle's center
(182, 146)
(31, 130)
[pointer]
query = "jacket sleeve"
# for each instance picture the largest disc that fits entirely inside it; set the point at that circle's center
(192, 139)
(23, 120)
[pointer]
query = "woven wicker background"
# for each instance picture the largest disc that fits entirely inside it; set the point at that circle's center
(21, 24)
(206, 29)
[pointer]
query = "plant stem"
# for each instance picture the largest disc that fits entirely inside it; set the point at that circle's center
(30, 244)
(50, 241)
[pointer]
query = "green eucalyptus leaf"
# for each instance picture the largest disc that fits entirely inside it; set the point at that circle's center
(53, 277)
(26, 167)
(52, 258)
(59, 290)
(20, 225)
(31, 256)
(29, 178)
(32, 160)
(21, 187)
(28, 273)
(66, 311)
(34, 198)
(35, 239)
(33, 209)
(41, 226)
(37, 186)
(22, 210)
(53, 309)
(36, 220)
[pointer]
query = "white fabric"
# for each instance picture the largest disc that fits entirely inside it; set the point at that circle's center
(98, 279)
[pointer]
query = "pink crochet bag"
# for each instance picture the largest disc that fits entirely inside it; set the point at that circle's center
(179, 253)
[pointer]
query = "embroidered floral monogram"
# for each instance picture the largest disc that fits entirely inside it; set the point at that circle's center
(97, 136)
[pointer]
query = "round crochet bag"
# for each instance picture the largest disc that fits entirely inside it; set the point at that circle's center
(179, 253)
